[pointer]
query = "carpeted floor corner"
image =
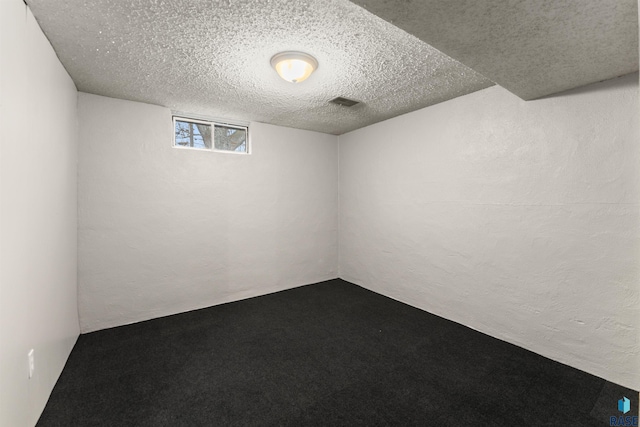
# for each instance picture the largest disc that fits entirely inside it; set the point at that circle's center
(328, 354)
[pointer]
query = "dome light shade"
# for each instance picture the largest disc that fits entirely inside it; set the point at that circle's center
(294, 66)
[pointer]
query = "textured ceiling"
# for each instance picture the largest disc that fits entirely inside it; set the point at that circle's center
(212, 58)
(532, 48)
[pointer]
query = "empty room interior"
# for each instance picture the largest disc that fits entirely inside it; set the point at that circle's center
(367, 212)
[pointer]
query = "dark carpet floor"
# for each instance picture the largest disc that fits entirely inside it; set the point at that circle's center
(327, 354)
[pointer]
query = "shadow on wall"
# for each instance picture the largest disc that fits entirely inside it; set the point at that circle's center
(594, 88)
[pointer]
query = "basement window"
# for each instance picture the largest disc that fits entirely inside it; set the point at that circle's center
(209, 135)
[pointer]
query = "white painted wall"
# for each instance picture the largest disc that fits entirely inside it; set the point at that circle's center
(38, 215)
(164, 230)
(518, 219)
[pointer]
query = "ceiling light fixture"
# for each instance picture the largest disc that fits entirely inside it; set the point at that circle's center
(294, 66)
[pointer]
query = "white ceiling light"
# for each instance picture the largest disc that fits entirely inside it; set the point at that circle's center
(294, 66)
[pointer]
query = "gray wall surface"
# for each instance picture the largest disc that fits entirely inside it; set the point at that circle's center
(38, 216)
(164, 230)
(518, 219)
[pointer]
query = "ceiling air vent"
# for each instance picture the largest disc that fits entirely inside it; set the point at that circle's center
(344, 101)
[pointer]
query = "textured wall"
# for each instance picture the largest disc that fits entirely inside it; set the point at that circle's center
(38, 245)
(519, 219)
(164, 230)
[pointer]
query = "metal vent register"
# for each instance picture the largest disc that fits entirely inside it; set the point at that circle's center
(344, 101)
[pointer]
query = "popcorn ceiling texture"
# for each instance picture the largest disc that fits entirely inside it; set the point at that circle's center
(212, 58)
(532, 48)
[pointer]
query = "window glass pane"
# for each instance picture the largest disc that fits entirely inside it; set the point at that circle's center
(195, 135)
(230, 139)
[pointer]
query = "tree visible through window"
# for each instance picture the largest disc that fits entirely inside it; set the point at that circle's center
(230, 139)
(197, 134)
(194, 135)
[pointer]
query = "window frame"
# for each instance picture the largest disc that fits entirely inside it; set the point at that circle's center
(211, 122)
